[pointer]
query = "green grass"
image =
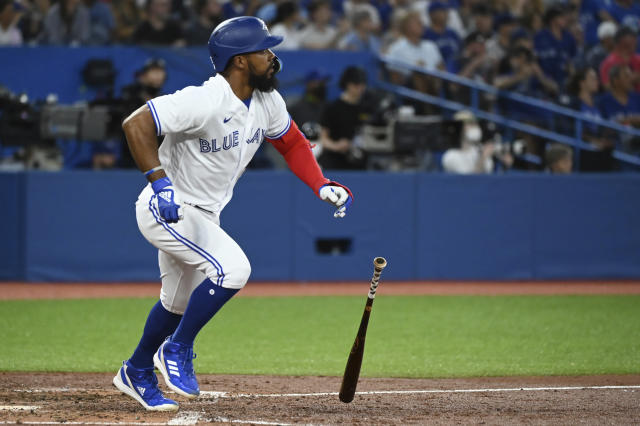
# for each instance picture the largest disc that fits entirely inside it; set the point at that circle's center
(444, 336)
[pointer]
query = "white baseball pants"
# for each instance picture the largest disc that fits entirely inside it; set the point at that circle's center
(189, 251)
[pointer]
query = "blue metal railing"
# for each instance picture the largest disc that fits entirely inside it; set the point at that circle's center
(476, 87)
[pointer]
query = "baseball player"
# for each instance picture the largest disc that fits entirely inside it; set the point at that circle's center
(211, 133)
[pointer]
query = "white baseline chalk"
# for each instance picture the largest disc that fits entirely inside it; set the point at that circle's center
(214, 394)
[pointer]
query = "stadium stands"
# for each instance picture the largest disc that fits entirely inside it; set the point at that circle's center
(513, 64)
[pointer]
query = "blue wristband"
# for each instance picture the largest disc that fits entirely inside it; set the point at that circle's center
(160, 184)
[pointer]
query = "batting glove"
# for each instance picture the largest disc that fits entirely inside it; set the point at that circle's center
(337, 196)
(167, 201)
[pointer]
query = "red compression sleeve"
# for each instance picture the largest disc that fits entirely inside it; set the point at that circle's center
(296, 150)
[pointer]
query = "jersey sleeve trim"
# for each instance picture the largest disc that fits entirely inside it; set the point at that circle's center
(282, 133)
(154, 114)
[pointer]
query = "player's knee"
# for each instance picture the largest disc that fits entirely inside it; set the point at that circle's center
(238, 275)
(174, 306)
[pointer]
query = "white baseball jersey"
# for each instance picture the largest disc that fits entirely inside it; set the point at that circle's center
(211, 135)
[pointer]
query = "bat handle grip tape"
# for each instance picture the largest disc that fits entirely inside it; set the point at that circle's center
(379, 264)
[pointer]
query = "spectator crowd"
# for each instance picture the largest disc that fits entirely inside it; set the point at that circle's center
(582, 53)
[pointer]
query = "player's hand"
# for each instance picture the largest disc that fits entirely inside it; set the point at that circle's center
(338, 197)
(167, 201)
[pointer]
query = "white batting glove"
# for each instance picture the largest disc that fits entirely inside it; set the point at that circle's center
(337, 197)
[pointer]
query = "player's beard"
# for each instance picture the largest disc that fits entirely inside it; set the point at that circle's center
(263, 82)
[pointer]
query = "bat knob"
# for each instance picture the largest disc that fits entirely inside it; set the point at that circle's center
(379, 262)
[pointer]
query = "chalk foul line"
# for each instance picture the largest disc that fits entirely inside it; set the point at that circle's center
(219, 394)
(215, 394)
(186, 418)
(19, 407)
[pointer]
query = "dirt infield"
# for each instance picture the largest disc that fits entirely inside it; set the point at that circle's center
(10, 290)
(68, 398)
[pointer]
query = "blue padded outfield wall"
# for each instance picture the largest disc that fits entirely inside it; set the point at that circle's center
(80, 226)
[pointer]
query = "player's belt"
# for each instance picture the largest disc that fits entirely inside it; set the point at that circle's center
(199, 208)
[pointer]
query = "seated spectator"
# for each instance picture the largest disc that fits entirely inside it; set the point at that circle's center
(465, 10)
(307, 111)
(10, 35)
(159, 27)
(498, 45)
(413, 50)
(558, 159)
(626, 13)
(554, 46)
(531, 15)
(286, 25)
(385, 10)
(482, 20)
(127, 17)
(514, 7)
(620, 103)
(598, 53)
(521, 38)
(102, 22)
(403, 6)
(148, 84)
(454, 21)
(341, 121)
(445, 38)
(354, 7)
(309, 108)
(67, 22)
(583, 87)
(592, 13)
(361, 38)
(234, 8)
(624, 53)
(395, 30)
(320, 33)
(524, 75)
(266, 11)
(472, 156)
(32, 21)
(473, 62)
(576, 30)
(208, 14)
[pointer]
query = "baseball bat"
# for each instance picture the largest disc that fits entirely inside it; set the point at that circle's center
(352, 370)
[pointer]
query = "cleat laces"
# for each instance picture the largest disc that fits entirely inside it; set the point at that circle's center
(187, 356)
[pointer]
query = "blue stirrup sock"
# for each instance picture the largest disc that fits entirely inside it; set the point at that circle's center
(160, 324)
(205, 301)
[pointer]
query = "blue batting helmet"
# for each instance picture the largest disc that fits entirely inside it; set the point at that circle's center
(244, 34)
